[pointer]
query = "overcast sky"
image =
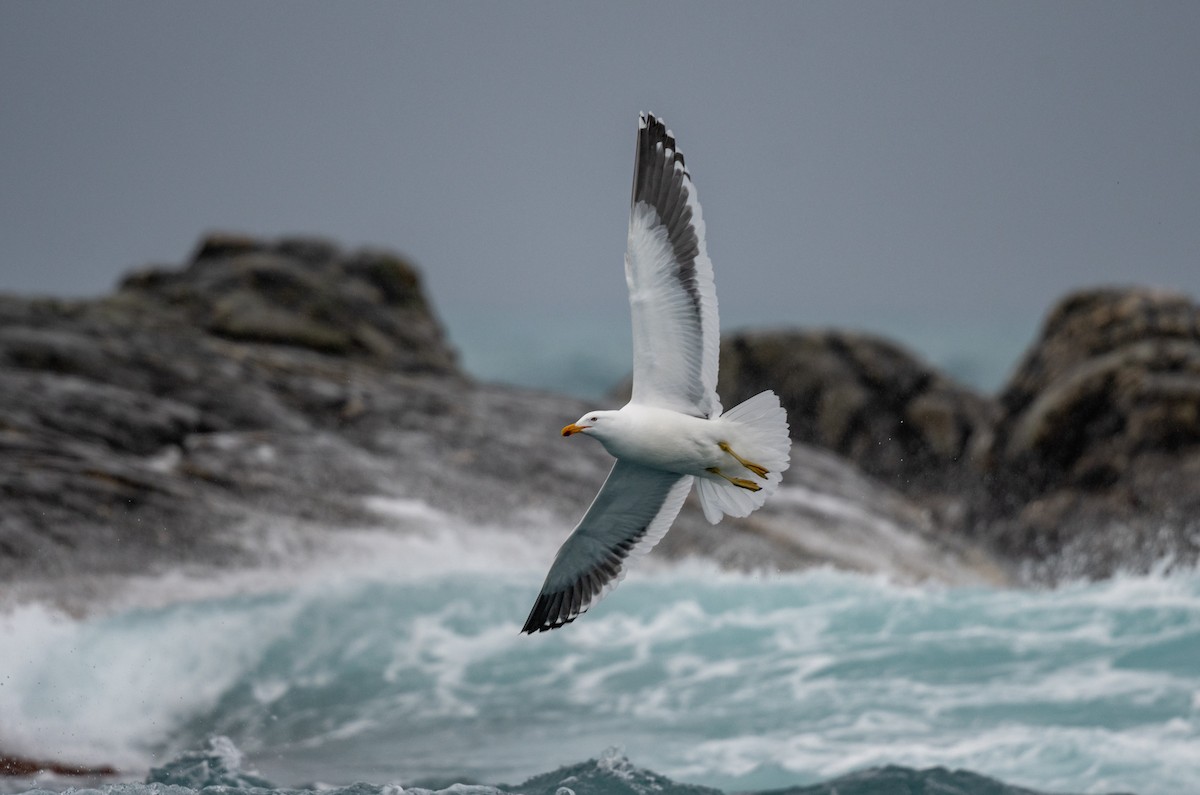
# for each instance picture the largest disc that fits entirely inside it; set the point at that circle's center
(860, 164)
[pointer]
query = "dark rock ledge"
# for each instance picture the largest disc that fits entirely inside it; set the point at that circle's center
(243, 408)
(20, 767)
(1086, 464)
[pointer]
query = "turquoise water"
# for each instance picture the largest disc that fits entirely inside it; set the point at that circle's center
(735, 681)
(587, 355)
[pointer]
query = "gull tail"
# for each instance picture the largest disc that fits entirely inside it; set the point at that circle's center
(757, 431)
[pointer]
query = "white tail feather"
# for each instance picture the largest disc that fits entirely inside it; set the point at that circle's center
(758, 432)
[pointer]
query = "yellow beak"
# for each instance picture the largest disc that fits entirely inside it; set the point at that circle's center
(573, 428)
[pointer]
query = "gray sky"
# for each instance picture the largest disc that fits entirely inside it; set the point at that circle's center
(939, 170)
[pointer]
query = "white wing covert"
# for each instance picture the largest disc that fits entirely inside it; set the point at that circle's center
(671, 292)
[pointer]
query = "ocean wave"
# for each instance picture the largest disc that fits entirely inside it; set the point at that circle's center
(219, 766)
(732, 680)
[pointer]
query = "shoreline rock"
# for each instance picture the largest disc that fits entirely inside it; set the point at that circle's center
(1095, 464)
(22, 767)
(247, 405)
(243, 408)
(1086, 464)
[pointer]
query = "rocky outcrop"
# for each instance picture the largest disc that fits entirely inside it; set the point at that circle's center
(110, 410)
(1095, 464)
(22, 767)
(1087, 463)
(866, 399)
(249, 405)
(305, 293)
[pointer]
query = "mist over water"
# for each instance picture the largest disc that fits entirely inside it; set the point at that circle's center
(411, 668)
(588, 355)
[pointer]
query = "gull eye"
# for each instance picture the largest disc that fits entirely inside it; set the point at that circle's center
(593, 419)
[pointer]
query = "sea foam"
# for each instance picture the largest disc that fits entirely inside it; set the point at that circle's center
(399, 659)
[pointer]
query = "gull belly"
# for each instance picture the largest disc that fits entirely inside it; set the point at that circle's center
(668, 440)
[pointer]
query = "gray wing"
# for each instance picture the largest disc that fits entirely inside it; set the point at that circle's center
(632, 512)
(670, 277)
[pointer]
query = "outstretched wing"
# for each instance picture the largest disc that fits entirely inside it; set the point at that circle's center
(670, 278)
(632, 512)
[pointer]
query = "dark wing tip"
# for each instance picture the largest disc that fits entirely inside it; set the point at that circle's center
(554, 609)
(653, 130)
(656, 165)
(564, 597)
(551, 611)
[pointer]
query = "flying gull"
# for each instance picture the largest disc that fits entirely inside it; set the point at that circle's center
(672, 433)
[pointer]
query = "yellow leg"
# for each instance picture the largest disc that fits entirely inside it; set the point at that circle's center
(761, 471)
(741, 483)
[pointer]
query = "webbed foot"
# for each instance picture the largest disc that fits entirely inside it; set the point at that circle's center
(757, 469)
(741, 483)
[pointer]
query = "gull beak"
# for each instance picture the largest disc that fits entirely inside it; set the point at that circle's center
(573, 428)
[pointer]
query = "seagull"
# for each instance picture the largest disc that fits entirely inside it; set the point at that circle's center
(672, 432)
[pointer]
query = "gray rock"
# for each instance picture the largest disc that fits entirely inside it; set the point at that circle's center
(1095, 465)
(367, 305)
(248, 407)
(1088, 463)
(866, 399)
(896, 780)
(611, 774)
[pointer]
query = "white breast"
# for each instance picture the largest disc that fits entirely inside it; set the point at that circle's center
(664, 439)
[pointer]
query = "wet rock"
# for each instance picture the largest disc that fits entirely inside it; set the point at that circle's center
(1086, 464)
(241, 407)
(896, 780)
(20, 766)
(871, 402)
(1095, 465)
(306, 293)
(135, 430)
(249, 406)
(246, 406)
(1116, 373)
(611, 774)
(828, 512)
